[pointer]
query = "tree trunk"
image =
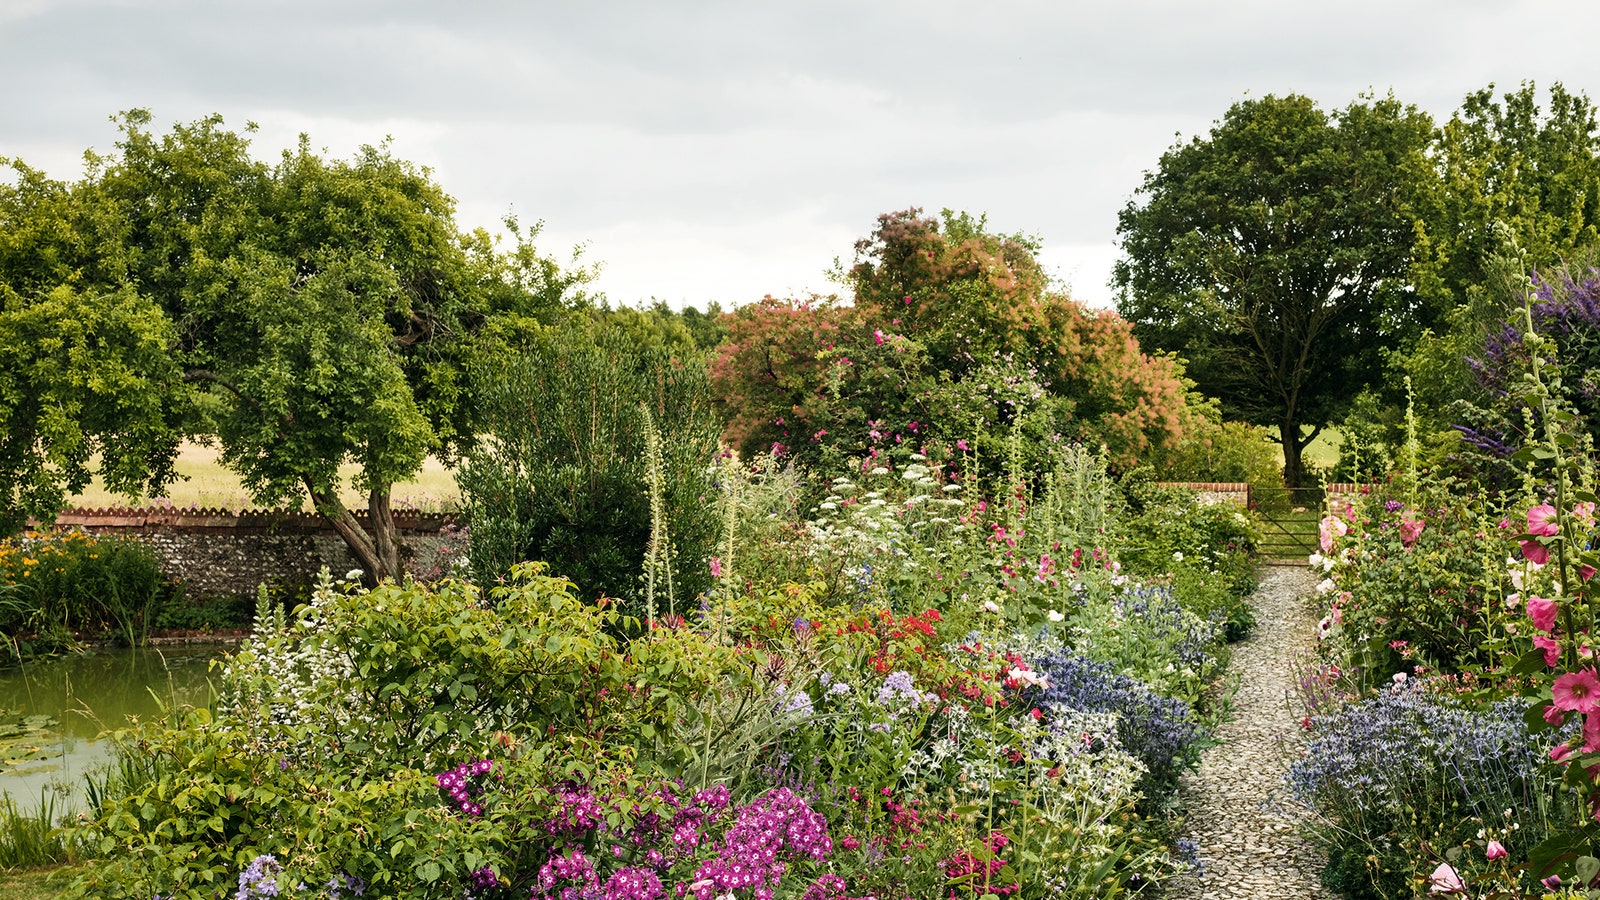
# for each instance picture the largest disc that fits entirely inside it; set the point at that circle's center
(378, 553)
(1294, 470)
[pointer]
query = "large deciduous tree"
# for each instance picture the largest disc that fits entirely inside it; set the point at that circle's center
(303, 315)
(1274, 252)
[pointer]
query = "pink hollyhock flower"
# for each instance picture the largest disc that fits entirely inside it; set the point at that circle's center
(1444, 880)
(1331, 527)
(1586, 572)
(1542, 520)
(1410, 530)
(1553, 716)
(1495, 850)
(1543, 613)
(1560, 752)
(1584, 513)
(1591, 733)
(1578, 691)
(1552, 650)
(1535, 552)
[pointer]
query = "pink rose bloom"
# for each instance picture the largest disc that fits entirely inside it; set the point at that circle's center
(1444, 880)
(1542, 520)
(1535, 552)
(1495, 850)
(1577, 691)
(1552, 650)
(1543, 613)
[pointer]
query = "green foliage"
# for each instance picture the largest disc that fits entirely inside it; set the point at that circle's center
(1273, 253)
(1214, 450)
(561, 474)
(55, 586)
(304, 315)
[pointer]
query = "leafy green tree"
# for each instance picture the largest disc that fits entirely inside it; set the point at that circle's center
(1518, 189)
(302, 315)
(1274, 253)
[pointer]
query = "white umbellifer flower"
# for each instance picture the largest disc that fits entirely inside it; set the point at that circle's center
(1054, 616)
(353, 575)
(879, 470)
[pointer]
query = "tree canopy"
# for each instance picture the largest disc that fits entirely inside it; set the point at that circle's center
(954, 339)
(1274, 253)
(301, 315)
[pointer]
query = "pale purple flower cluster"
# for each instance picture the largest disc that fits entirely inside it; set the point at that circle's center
(580, 811)
(574, 868)
(777, 826)
(465, 782)
(483, 878)
(342, 882)
(259, 879)
(898, 686)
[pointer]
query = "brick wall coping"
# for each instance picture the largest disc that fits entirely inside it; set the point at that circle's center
(1215, 487)
(226, 521)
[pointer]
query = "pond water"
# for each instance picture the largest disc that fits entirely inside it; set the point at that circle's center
(53, 713)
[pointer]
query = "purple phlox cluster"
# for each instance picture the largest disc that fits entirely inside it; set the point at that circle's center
(794, 701)
(482, 879)
(1160, 732)
(580, 810)
(464, 783)
(898, 689)
(777, 827)
(576, 870)
(340, 884)
(828, 887)
(259, 879)
(633, 883)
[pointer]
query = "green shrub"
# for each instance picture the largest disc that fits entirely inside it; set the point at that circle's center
(561, 475)
(57, 585)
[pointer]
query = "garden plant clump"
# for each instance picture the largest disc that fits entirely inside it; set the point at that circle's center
(907, 688)
(1454, 710)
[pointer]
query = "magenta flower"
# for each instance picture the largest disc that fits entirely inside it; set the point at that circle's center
(1495, 850)
(1542, 520)
(1586, 572)
(1410, 530)
(878, 336)
(1553, 716)
(1543, 613)
(1552, 650)
(1578, 691)
(716, 567)
(1591, 733)
(1535, 552)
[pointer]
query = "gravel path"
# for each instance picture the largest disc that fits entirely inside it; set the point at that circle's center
(1239, 811)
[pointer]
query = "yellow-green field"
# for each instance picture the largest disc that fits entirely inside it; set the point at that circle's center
(205, 482)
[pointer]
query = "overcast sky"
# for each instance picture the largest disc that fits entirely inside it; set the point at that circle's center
(722, 151)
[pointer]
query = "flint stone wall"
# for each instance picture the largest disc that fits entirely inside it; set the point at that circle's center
(215, 552)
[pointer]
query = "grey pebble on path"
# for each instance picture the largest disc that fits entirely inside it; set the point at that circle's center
(1239, 812)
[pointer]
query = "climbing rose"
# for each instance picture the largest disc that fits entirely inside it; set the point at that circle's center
(1543, 613)
(1542, 520)
(1578, 691)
